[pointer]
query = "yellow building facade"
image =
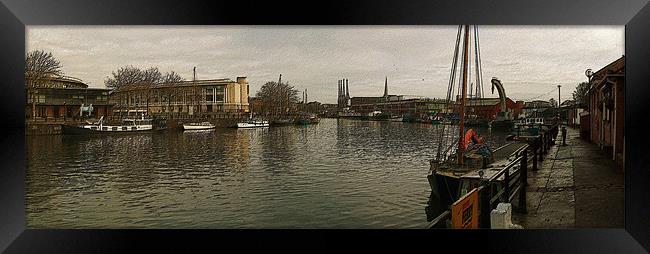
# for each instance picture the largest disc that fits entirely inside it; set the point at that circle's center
(186, 97)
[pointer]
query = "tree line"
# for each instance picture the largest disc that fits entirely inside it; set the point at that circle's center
(277, 98)
(41, 65)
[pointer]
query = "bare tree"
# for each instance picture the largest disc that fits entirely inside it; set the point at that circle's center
(277, 98)
(124, 76)
(129, 75)
(39, 65)
(171, 78)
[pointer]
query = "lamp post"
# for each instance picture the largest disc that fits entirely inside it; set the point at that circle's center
(559, 101)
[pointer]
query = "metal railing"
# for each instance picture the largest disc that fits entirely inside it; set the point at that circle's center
(514, 179)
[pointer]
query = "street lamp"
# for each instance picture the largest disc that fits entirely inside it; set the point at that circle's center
(559, 101)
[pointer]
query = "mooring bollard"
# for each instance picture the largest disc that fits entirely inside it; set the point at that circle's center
(542, 141)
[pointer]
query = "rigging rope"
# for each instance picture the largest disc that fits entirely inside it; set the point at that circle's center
(479, 66)
(450, 88)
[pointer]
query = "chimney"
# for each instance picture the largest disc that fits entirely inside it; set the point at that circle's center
(339, 94)
(386, 88)
(347, 89)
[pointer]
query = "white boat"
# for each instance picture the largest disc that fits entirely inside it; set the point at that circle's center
(129, 125)
(198, 126)
(253, 124)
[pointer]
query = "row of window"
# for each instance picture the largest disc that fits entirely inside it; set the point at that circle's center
(115, 128)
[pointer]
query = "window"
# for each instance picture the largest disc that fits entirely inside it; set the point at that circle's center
(124, 128)
(209, 94)
(220, 92)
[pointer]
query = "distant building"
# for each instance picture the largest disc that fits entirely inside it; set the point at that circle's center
(395, 105)
(398, 107)
(61, 99)
(606, 108)
(184, 98)
(329, 110)
(538, 108)
(570, 113)
(487, 108)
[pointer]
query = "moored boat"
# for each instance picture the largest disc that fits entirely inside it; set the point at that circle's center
(311, 119)
(464, 161)
(253, 124)
(198, 126)
(129, 125)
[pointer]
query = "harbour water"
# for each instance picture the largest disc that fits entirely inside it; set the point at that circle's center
(336, 174)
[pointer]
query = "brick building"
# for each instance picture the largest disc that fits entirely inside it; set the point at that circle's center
(606, 108)
(487, 108)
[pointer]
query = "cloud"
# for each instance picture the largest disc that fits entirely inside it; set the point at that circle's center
(417, 59)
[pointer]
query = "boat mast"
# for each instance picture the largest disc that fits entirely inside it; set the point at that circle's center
(462, 99)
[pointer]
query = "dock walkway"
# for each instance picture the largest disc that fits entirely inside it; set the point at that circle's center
(576, 186)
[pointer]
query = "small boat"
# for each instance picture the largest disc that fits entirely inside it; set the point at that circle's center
(529, 126)
(396, 119)
(253, 124)
(198, 126)
(129, 125)
(281, 122)
(437, 120)
(311, 119)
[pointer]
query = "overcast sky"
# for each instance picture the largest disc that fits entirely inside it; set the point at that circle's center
(530, 61)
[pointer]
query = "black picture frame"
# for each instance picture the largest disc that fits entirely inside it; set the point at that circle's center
(16, 14)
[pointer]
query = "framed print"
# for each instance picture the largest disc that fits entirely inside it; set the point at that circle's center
(172, 124)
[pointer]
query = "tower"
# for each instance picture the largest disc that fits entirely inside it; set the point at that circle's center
(347, 93)
(386, 89)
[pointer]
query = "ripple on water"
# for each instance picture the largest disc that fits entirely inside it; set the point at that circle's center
(336, 174)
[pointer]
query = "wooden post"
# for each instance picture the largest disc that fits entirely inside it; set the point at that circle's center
(540, 149)
(523, 171)
(535, 147)
(524, 167)
(545, 142)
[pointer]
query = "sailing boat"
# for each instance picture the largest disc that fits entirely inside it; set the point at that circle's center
(454, 172)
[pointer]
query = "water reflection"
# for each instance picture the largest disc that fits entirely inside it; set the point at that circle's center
(335, 174)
